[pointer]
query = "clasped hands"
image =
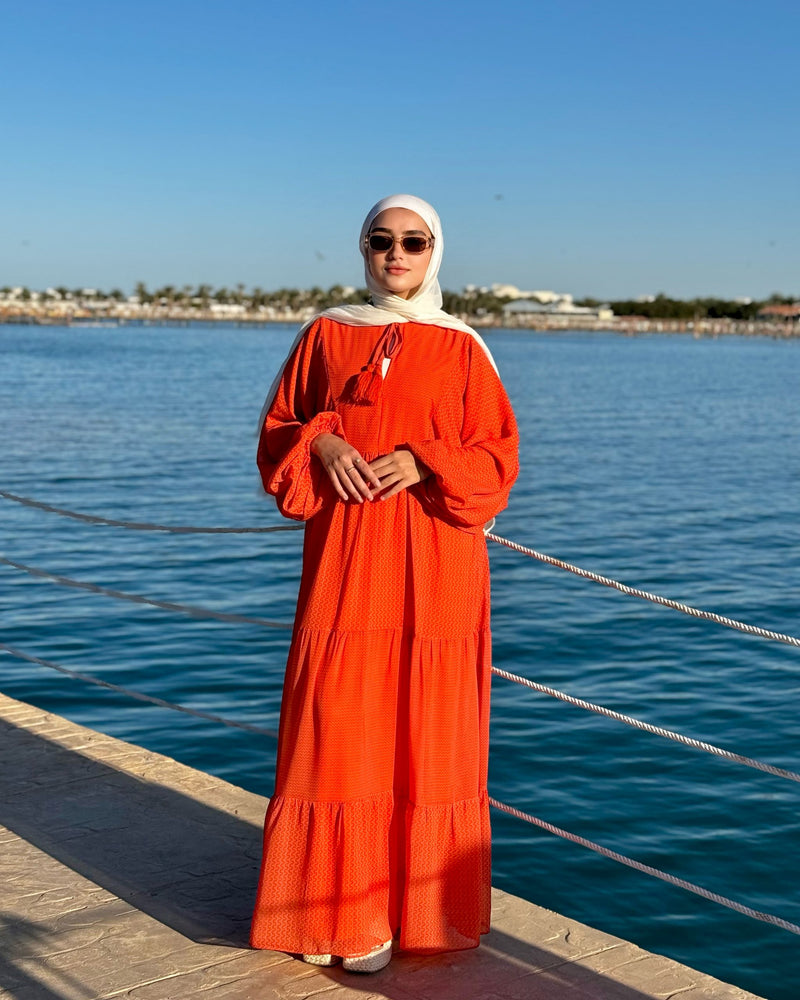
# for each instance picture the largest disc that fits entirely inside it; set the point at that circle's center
(355, 479)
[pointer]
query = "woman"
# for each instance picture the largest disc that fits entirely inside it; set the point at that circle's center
(389, 432)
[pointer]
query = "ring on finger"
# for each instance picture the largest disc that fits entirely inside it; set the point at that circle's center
(350, 469)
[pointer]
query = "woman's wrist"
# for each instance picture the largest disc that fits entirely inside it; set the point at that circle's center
(422, 469)
(318, 440)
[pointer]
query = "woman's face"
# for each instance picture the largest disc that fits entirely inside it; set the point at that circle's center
(395, 270)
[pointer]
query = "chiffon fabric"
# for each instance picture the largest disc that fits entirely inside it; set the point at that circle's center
(379, 824)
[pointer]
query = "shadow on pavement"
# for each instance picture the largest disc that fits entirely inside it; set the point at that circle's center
(193, 866)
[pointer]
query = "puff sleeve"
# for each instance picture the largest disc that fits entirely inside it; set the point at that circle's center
(301, 410)
(472, 477)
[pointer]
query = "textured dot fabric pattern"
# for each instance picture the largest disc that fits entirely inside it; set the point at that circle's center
(379, 823)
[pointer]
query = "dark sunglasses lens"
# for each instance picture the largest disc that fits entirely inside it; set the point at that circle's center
(380, 243)
(414, 244)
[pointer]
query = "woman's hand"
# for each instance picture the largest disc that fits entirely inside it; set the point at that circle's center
(350, 474)
(397, 471)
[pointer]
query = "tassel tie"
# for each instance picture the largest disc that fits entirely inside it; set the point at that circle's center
(364, 388)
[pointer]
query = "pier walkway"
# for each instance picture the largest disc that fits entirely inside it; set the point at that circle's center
(126, 874)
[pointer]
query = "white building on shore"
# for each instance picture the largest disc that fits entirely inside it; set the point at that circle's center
(554, 304)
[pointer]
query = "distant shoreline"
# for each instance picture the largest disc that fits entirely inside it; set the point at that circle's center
(552, 322)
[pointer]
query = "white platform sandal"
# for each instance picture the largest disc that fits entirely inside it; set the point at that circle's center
(321, 959)
(373, 961)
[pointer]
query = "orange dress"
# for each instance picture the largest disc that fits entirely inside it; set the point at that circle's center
(379, 824)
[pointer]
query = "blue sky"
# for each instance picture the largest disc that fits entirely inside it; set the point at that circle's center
(603, 148)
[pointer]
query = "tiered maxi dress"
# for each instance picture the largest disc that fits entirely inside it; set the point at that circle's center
(379, 824)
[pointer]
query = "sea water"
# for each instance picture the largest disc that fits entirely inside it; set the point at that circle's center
(668, 463)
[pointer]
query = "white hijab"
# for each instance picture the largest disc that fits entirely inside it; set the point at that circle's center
(424, 306)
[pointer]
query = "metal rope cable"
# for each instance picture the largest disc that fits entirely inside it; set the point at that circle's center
(232, 723)
(669, 734)
(143, 525)
(515, 546)
(511, 810)
(648, 869)
(197, 612)
(121, 595)
(517, 813)
(646, 595)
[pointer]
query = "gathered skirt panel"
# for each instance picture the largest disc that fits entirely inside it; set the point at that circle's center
(340, 878)
(379, 824)
(325, 877)
(384, 710)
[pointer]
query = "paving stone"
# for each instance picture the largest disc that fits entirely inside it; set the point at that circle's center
(125, 875)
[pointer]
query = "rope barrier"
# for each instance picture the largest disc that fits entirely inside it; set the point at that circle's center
(144, 525)
(122, 595)
(205, 613)
(669, 734)
(578, 702)
(646, 595)
(511, 810)
(515, 546)
(648, 869)
(138, 695)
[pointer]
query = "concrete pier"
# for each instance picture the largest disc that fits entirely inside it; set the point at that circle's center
(125, 874)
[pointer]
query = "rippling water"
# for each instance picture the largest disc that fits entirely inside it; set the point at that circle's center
(668, 463)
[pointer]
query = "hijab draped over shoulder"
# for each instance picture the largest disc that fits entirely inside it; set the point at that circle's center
(424, 306)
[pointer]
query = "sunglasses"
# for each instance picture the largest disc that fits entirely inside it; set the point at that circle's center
(383, 243)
